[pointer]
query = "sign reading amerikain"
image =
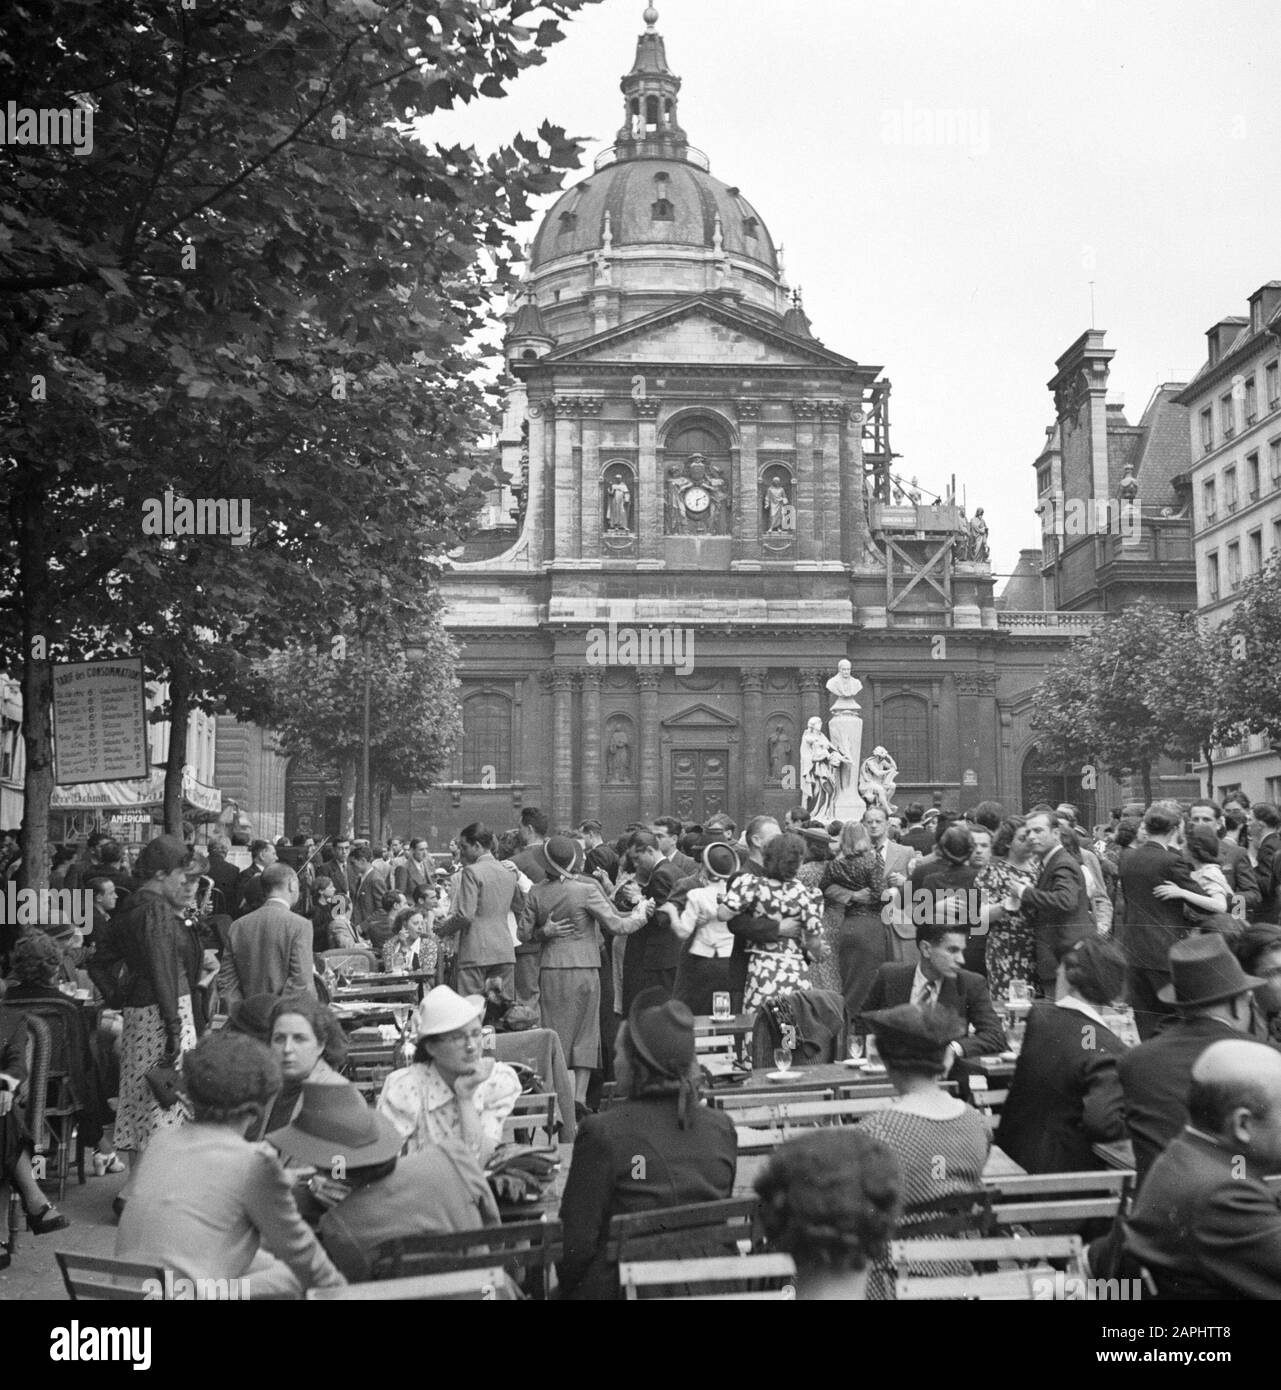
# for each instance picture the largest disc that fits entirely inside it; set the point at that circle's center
(99, 721)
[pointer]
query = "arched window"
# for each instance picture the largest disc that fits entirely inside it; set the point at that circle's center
(662, 211)
(568, 222)
(905, 731)
(697, 437)
(651, 112)
(487, 739)
(1044, 781)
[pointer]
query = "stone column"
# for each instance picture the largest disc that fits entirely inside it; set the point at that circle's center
(808, 505)
(589, 745)
(564, 479)
(651, 772)
(752, 683)
(649, 483)
(561, 684)
(588, 529)
(746, 552)
(828, 480)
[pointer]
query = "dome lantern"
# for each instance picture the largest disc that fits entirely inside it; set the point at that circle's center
(650, 94)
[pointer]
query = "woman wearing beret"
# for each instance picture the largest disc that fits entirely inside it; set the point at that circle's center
(656, 1147)
(941, 1143)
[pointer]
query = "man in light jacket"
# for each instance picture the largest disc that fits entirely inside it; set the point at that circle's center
(269, 951)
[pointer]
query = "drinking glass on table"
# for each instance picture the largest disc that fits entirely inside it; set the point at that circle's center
(873, 1052)
(855, 1046)
(721, 1005)
(782, 1058)
(1020, 993)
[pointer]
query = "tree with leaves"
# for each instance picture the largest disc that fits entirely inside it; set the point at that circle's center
(1251, 689)
(1141, 687)
(261, 286)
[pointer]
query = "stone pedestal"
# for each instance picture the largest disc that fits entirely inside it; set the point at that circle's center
(845, 729)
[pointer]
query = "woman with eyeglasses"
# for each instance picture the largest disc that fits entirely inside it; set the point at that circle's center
(1011, 940)
(451, 1092)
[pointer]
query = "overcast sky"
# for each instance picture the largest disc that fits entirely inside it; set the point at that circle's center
(948, 176)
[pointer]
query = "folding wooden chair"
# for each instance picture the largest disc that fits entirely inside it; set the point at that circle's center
(733, 1100)
(768, 1126)
(958, 1214)
(1039, 1198)
(527, 1250)
(638, 1279)
(533, 1112)
(1032, 1276)
(95, 1277)
(466, 1285)
(729, 1226)
(350, 960)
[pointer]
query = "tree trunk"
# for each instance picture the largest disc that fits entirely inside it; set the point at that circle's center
(384, 812)
(347, 766)
(1147, 784)
(1209, 771)
(37, 694)
(179, 710)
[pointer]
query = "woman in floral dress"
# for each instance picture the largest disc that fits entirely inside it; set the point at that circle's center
(777, 967)
(1005, 864)
(824, 972)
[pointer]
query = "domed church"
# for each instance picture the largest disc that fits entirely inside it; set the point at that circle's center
(702, 523)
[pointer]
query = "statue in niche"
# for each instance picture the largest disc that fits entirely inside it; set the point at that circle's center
(618, 502)
(776, 505)
(977, 547)
(698, 500)
(618, 754)
(876, 779)
(779, 746)
(821, 763)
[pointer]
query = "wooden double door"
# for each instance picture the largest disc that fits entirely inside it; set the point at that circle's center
(699, 781)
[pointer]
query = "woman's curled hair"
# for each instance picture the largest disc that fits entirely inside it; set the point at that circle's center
(831, 1199)
(324, 1024)
(226, 1072)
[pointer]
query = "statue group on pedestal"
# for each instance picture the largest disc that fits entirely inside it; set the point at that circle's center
(835, 785)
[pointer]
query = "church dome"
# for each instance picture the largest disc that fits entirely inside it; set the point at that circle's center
(653, 202)
(652, 188)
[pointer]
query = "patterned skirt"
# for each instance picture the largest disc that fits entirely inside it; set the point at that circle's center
(773, 973)
(1011, 955)
(138, 1115)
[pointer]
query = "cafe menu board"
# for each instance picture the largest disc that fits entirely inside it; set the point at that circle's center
(99, 721)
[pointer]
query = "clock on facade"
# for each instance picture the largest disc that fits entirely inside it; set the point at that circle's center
(696, 499)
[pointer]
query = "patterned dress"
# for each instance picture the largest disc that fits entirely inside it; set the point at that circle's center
(775, 967)
(1011, 945)
(938, 1157)
(139, 1116)
(824, 972)
(417, 1100)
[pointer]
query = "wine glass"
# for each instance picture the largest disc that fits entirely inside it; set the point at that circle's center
(873, 1052)
(855, 1047)
(783, 1058)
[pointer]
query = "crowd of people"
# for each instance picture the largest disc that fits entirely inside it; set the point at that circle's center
(1133, 967)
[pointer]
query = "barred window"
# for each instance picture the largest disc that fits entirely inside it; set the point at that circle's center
(905, 728)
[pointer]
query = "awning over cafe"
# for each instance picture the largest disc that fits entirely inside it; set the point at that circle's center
(141, 794)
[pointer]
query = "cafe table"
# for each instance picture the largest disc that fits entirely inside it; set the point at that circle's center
(1118, 1154)
(737, 1026)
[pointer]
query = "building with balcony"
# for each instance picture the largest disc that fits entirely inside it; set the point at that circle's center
(1234, 482)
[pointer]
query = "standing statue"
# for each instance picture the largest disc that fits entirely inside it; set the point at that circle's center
(718, 491)
(978, 547)
(845, 728)
(618, 504)
(780, 752)
(876, 779)
(821, 761)
(618, 755)
(776, 507)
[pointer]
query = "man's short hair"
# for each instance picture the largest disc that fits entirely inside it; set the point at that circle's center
(641, 840)
(277, 876)
(256, 847)
(219, 844)
(1159, 819)
(1210, 1103)
(299, 839)
(1206, 801)
(589, 827)
(931, 933)
(755, 825)
(1267, 814)
(389, 901)
(477, 834)
(913, 812)
(359, 852)
(1065, 808)
(416, 841)
(534, 819)
(989, 814)
(97, 883)
(110, 852)
(670, 824)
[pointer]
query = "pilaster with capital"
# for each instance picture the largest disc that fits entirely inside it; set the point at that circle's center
(751, 682)
(652, 491)
(560, 682)
(746, 544)
(589, 763)
(828, 457)
(565, 477)
(807, 502)
(651, 772)
(811, 682)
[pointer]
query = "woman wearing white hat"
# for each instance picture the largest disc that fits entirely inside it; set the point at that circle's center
(452, 1092)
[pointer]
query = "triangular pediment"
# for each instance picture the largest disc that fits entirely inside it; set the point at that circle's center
(699, 330)
(700, 716)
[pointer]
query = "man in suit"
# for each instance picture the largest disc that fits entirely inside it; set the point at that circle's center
(940, 979)
(1233, 860)
(345, 874)
(1265, 836)
(364, 904)
(1058, 906)
(666, 830)
(249, 890)
(487, 892)
(1153, 924)
(533, 828)
(269, 950)
(1205, 1225)
(895, 857)
(1066, 1095)
(652, 953)
(417, 872)
(915, 836)
(1213, 997)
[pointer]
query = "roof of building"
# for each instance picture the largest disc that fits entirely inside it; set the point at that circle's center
(1159, 448)
(1023, 591)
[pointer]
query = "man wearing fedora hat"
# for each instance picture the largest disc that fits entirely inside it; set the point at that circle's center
(1211, 996)
(370, 1193)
